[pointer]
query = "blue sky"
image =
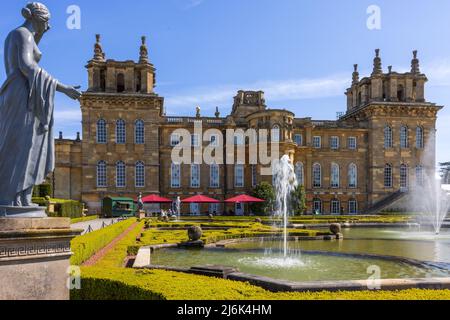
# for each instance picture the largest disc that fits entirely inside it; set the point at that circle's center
(300, 52)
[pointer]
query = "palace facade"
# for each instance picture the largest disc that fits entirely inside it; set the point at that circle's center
(363, 162)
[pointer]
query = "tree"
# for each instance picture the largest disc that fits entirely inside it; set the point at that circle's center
(263, 191)
(445, 172)
(298, 200)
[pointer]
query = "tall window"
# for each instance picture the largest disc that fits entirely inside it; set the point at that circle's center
(140, 174)
(214, 176)
(275, 134)
(299, 173)
(404, 177)
(352, 207)
(335, 206)
(352, 175)
(120, 132)
(317, 142)
(175, 175)
(419, 138)
(195, 209)
(174, 139)
(298, 139)
(101, 174)
(388, 176)
(139, 132)
(404, 137)
(317, 175)
(195, 175)
(334, 143)
(239, 176)
(214, 208)
(195, 140)
(351, 143)
(419, 175)
(254, 175)
(120, 82)
(317, 206)
(334, 175)
(120, 174)
(101, 131)
(387, 137)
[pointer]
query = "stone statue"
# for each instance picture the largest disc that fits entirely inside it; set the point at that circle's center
(26, 115)
(140, 203)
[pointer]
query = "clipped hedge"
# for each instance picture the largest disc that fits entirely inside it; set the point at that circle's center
(83, 219)
(87, 245)
(119, 283)
(63, 208)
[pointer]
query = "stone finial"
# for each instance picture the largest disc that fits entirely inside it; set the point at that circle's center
(389, 69)
(355, 75)
(415, 68)
(99, 55)
(377, 69)
(143, 53)
(60, 135)
(198, 115)
(217, 112)
(78, 137)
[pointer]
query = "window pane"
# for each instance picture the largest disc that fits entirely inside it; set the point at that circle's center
(175, 175)
(101, 174)
(139, 132)
(239, 176)
(334, 143)
(101, 131)
(352, 143)
(140, 175)
(388, 176)
(120, 132)
(317, 142)
(195, 175)
(317, 176)
(120, 174)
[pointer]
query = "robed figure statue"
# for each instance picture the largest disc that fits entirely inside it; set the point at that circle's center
(26, 115)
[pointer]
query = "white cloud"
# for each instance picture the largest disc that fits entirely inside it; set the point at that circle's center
(68, 116)
(282, 90)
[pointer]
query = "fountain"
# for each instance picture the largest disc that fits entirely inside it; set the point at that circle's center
(427, 196)
(178, 208)
(285, 181)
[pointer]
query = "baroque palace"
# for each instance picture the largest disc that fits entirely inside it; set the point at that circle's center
(360, 163)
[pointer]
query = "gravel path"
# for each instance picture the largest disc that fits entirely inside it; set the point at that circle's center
(101, 253)
(94, 224)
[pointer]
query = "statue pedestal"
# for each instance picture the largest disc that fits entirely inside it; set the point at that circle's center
(34, 258)
(23, 212)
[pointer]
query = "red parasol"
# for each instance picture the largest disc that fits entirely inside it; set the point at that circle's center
(200, 199)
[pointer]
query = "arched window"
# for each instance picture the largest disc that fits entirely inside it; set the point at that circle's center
(352, 175)
(317, 206)
(101, 174)
(120, 82)
(214, 176)
(400, 93)
(175, 175)
(404, 143)
(101, 131)
(140, 174)
(120, 174)
(335, 206)
(299, 173)
(317, 176)
(419, 138)
(335, 175)
(275, 134)
(120, 131)
(139, 132)
(387, 137)
(419, 175)
(388, 176)
(404, 183)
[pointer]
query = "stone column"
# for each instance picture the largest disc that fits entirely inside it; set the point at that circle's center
(34, 258)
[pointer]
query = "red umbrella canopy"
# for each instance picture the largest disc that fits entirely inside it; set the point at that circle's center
(155, 199)
(244, 199)
(200, 199)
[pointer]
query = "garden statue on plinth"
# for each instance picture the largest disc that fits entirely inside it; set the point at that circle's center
(34, 250)
(26, 116)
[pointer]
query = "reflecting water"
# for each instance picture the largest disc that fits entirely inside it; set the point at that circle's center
(306, 260)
